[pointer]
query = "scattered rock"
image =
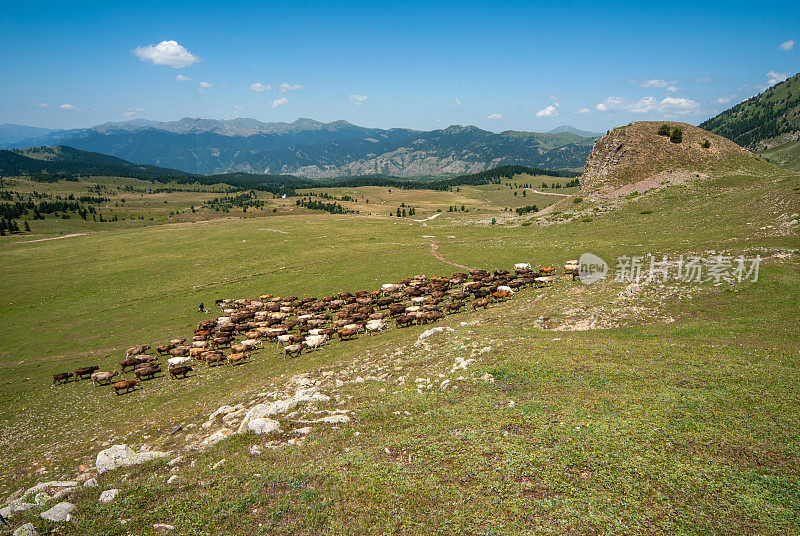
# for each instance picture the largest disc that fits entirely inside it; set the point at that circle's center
(255, 450)
(41, 498)
(91, 483)
(122, 455)
(218, 464)
(173, 479)
(215, 438)
(488, 378)
(175, 461)
(108, 495)
(26, 530)
(160, 527)
(425, 334)
(59, 512)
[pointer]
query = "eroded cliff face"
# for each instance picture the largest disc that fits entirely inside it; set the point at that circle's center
(636, 152)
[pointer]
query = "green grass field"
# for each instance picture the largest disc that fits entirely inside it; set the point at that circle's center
(681, 417)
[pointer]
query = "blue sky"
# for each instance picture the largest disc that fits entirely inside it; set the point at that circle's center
(500, 66)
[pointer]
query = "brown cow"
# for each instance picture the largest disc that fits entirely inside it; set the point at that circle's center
(127, 385)
(405, 320)
(131, 362)
(85, 371)
(481, 302)
(181, 371)
(239, 357)
(345, 334)
(136, 350)
(292, 350)
(165, 348)
(146, 372)
(61, 377)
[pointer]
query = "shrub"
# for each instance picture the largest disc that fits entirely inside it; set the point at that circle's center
(526, 223)
(706, 144)
(648, 211)
(664, 130)
(676, 136)
(577, 200)
(586, 220)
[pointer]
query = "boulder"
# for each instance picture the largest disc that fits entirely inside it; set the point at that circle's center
(108, 496)
(26, 530)
(123, 455)
(91, 483)
(59, 512)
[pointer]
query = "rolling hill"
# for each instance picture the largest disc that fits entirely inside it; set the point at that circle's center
(764, 123)
(636, 151)
(319, 150)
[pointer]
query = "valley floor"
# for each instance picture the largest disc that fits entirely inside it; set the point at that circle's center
(588, 409)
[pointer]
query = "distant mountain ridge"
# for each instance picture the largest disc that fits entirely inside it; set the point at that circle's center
(319, 150)
(573, 130)
(768, 120)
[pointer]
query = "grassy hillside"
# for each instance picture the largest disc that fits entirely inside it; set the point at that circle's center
(760, 121)
(786, 155)
(675, 413)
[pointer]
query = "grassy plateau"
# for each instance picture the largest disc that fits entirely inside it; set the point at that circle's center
(660, 408)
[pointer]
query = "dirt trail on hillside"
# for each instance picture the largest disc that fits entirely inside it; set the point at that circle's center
(435, 253)
(45, 239)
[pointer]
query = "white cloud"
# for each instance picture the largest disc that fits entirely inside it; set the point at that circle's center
(132, 112)
(549, 111)
(42, 105)
(672, 89)
(278, 102)
(775, 77)
(495, 116)
(205, 84)
(439, 120)
(703, 80)
(168, 53)
(680, 106)
(787, 45)
(258, 87)
(584, 111)
(183, 78)
(357, 99)
(654, 82)
(69, 107)
(238, 107)
(458, 101)
(725, 100)
(668, 106)
(283, 88)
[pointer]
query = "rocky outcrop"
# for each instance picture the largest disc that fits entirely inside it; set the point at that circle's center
(123, 455)
(636, 152)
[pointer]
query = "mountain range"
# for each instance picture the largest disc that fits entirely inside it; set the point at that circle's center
(312, 148)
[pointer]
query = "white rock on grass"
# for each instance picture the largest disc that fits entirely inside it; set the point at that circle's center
(123, 455)
(425, 334)
(59, 512)
(215, 438)
(26, 530)
(91, 483)
(108, 496)
(218, 464)
(15, 506)
(173, 479)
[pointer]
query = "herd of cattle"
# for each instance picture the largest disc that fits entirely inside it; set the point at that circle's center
(298, 324)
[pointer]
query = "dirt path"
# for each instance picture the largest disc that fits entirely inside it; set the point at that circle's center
(548, 193)
(429, 217)
(435, 253)
(45, 239)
